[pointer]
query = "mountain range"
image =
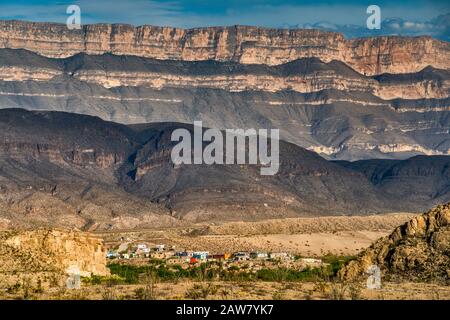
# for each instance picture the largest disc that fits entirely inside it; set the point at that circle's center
(86, 118)
(358, 99)
(66, 169)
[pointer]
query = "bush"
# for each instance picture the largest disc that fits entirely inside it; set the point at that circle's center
(199, 291)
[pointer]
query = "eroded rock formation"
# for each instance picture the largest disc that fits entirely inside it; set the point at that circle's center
(52, 251)
(417, 250)
(247, 45)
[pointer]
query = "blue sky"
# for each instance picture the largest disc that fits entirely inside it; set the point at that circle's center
(414, 17)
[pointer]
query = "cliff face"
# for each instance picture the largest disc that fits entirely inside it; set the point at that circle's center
(52, 251)
(247, 45)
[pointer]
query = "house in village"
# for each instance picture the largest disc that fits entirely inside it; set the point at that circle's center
(220, 256)
(200, 255)
(143, 250)
(193, 260)
(112, 254)
(257, 255)
(160, 247)
(142, 246)
(241, 256)
(280, 256)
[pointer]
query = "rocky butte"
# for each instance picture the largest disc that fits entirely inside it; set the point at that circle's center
(417, 250)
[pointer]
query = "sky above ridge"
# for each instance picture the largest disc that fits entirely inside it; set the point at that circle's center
(414, 17)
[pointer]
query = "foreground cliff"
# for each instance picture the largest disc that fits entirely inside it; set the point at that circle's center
(247, 45)
(418, 250)
(51, 251)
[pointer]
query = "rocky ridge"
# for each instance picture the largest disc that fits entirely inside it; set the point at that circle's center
(419, 250)
(383, 97)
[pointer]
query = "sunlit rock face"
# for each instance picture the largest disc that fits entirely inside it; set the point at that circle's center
(52, 250)
(248, 45)
(423, 241)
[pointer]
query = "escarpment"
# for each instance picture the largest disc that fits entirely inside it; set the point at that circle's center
(243, 44)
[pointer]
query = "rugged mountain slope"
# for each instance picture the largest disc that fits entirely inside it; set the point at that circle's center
(305, 183)
(325, 107)
(418, 250)
(337, 124)
(406, 179)
(74, 170)
(304, 75)
(58, 169)
(239, 43)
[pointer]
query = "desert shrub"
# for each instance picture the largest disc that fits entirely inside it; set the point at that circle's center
(199, 291)
(13, 289)
(38, 288)
(291, 275)
(139, 294)
(336, 262)
(225, 293)
(26, 286)
(97, 280)
(279, 295)
(337, 291)
(355, 291)
(109, 291)
(321, 286)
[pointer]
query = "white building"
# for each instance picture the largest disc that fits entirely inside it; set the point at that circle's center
(311, 261)
(201, 255)
(259, 255)
(241, 256)
(279, 255)
(159, 247)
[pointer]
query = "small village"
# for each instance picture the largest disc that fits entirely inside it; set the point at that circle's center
(255, 260)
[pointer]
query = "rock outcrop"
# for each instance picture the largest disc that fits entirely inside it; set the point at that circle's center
(51, 251)
(419, 250)
(247, 45)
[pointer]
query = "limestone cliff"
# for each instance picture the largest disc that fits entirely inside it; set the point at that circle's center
(51, 251)
(247, 45)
